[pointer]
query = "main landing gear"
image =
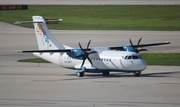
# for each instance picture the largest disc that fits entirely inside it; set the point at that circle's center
(105, 73)
(81, 74)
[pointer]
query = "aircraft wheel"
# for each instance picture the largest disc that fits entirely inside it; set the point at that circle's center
(138, 73)
(105, 73)
(80, 74)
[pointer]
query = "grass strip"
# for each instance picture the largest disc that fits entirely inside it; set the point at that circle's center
(34, 60)
(102, 17)
(167, 59)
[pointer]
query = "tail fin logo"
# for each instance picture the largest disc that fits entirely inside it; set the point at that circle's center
(41, 31)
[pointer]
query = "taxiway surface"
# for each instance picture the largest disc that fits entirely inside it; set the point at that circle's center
(30, 84)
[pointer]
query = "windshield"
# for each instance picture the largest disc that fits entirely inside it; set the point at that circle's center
(132, 57)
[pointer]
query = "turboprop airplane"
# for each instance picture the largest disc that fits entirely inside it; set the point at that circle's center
(93, 60)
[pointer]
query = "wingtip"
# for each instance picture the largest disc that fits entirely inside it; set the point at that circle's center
(60, 20)
(167, 42)
(18, 22)
(18, 51)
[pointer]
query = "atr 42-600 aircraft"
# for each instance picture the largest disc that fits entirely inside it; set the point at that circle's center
(93, 60)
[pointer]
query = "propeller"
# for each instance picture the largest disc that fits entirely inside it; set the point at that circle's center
(86, 54)
(136, 48)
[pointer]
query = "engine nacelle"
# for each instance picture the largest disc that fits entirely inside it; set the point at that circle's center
(77, 52)
(128, 48)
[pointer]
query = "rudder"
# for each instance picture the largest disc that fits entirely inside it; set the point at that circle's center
(45, 39)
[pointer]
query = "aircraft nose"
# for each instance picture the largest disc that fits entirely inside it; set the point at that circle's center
(142, 65)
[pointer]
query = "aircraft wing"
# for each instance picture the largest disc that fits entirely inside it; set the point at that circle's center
(152, 44)
(139, 46)
(44, 51)
(50, 51)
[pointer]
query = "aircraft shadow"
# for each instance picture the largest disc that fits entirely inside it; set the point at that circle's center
(159, 74)
(122, 75)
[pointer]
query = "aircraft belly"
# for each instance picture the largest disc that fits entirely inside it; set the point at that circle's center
(100, 65)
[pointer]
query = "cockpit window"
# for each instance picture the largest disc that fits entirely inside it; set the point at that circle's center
(139, 57)
(125, 57)
(135, 57)
(129, 57)
(132, 57)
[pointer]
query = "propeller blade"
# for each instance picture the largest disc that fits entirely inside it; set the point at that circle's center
(139, 41)
(84, 58)
(80, 45)
(88, 44)
(90, 61)
(136, 48)
(131, 43)
(142, 50)
(93, 52)
(85, 54)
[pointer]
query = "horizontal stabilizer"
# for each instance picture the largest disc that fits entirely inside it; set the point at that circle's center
(47, 21)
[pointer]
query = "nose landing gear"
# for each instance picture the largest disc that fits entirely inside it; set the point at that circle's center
(80, 74)
(137, 73)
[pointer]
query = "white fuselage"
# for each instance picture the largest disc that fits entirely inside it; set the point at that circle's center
(106, 60)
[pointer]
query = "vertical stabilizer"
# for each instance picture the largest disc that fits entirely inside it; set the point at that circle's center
(45, 39)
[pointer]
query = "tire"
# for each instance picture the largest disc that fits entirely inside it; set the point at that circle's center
(80, 74)
(105, 73)
(138, 73)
